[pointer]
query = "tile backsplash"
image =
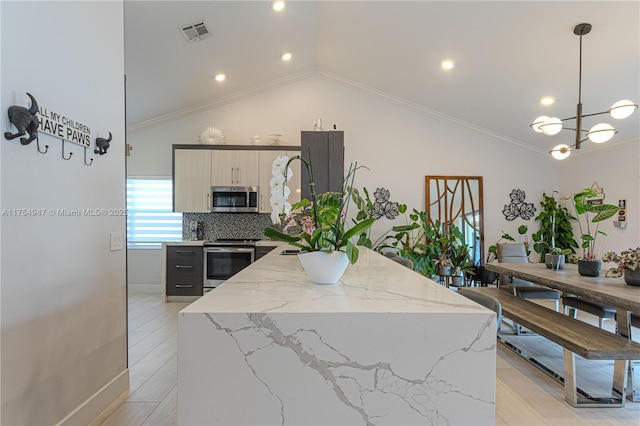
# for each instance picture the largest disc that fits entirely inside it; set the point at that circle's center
(227, 225)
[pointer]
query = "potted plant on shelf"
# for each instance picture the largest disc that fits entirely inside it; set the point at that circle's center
(592, 214)
(319, 225)
(628, 265)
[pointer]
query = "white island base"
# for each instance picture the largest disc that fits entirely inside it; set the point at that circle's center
(383, 346)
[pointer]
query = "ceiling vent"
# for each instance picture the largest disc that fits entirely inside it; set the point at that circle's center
(195, 32)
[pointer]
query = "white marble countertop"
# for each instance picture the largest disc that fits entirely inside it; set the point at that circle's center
(277, 284)
(201, 242)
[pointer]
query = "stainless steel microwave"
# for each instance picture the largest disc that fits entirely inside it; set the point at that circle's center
(234, 199)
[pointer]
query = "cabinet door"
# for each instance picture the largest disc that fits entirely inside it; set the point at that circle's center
(191, 180)
(235, 168)
(247, 165)
(185, 266)
(222, 168)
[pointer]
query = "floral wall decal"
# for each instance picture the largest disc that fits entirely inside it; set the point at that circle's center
(382, 206)
(518, 207)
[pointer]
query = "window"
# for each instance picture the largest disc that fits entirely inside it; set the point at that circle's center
(150, 219)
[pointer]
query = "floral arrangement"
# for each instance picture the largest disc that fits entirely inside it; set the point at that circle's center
(627, 259)
(318, 224)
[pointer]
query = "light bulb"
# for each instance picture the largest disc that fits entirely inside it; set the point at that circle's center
(447, 64)
(622, 109)
(560, 152)
(220, 77)
(286, 56)
(537, 122)
(551, 126)
(277, 5)
(601, 133)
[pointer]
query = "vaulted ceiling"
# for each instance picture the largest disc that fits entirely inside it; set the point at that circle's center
(508, 55)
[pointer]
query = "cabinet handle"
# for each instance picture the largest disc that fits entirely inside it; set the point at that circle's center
(208, 207)
(238, 174)
(184, 286)
(184, 251)
(232, 175)
(184, 266)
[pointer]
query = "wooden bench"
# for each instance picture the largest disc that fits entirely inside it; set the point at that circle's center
(576, 337)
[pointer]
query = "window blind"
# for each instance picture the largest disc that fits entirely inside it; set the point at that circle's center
(150, 219)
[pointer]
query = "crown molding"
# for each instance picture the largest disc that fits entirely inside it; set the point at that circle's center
(326, 75)
(233, 97)
(599, 149)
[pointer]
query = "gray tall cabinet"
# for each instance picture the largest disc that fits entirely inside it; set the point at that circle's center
(325, 153)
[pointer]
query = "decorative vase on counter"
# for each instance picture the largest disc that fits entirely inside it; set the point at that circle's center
(324, 267)
(589, 268)
(632, 277)
(554, 261)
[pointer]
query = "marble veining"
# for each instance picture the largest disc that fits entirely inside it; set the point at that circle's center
(270, 347)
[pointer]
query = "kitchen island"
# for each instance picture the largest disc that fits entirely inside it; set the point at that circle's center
(384, 345)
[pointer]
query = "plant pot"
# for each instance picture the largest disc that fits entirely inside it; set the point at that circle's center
(444, 271)
(632, 277)
(589, 268)
(554, 261)
(485, 276)
(457, 280)
(324, 267)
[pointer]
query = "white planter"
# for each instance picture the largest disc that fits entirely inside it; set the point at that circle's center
(324, 267)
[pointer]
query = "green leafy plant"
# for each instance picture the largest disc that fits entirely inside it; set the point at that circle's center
(592, 214)
(459, 253)
(318, 224)
(555, 235)
(627, 259)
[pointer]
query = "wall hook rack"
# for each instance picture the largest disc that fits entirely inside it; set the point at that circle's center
(85, 158)
(46, 147)
(70, 154)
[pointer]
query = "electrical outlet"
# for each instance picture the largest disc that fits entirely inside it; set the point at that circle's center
(115, 241)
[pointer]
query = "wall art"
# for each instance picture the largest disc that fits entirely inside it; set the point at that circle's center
(382, 206)
(518, 207)
(24, 120)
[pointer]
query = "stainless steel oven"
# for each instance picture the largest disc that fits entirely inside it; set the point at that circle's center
(224, 259)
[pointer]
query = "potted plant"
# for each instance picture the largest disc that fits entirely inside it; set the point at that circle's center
(628, 265)
(460, 260)
(319, 225)
(555, 230)
(591, 214)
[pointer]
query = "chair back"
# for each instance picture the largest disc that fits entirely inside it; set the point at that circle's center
(404, 262)
(485, 300)
(512, 253)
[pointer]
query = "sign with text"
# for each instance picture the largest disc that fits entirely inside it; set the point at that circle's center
(63, 127)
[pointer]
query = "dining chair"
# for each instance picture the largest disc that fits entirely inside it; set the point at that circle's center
(485, 300)
(517, 253)
(404, 262)
(601, 310)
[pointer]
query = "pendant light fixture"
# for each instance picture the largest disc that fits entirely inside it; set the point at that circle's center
(599, 133)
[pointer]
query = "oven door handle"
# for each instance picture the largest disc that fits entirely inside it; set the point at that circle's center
(228, 249)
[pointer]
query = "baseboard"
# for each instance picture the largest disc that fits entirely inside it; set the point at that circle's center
(145, 289)
(101, 404)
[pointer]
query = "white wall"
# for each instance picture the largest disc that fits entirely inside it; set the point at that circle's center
(399, 144)
(64, 354)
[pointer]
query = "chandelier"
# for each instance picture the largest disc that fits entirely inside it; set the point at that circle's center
(599, 133)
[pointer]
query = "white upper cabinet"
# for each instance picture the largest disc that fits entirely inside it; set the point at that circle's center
(192, 181)
(235, 168)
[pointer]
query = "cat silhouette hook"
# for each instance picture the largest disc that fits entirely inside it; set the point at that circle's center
(70, 154)
(24, 120)
(85, 158)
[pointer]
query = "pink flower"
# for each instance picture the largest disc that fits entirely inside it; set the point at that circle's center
(307, 225)
(291, 221)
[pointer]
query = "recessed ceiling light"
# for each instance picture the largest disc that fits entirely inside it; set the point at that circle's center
(286, 56)
(447, 64)
(547, 100)
(220, 77)
(277, 5)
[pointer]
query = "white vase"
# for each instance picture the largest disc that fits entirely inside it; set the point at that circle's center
(324, 267)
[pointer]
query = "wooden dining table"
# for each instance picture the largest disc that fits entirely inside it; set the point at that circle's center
(611, 291)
